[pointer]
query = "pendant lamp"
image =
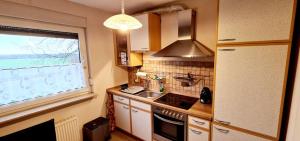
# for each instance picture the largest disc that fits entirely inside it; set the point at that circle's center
(122, 21)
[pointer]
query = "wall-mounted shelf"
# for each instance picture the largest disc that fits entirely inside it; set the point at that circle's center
(123, 55)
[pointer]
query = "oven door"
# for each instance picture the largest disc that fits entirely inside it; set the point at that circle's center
(168, 129)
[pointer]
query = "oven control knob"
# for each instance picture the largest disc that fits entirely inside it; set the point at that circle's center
(178, 116)
(181, 117)
(163, 111)
(174, 115)
(170, 114)
(166, 112)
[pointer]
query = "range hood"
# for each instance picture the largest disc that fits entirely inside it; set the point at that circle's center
(186, 46)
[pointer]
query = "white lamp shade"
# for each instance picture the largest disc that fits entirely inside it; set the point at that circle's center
(122, 22)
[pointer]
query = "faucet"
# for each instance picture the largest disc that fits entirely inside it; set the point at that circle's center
(146, 84)
(154, 77)
(147, 77)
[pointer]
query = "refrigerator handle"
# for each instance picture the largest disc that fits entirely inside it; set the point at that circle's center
(222, 122)
(222, 130)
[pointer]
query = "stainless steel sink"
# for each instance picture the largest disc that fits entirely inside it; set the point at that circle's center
(149, 94)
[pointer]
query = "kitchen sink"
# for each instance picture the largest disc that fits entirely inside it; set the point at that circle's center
(148, 94)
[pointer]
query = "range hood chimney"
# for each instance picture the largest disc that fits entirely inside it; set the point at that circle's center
(186, 46)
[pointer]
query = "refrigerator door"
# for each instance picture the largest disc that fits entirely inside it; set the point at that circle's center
(249, 87)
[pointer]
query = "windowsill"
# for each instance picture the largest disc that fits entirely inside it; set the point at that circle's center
(18, 115)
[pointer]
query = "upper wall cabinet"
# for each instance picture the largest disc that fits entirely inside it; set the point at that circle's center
(147, 38)
(254, 20)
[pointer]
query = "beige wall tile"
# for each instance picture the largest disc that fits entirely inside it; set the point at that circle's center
(171, 69)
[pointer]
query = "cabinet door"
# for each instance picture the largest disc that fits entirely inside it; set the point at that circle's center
(122, 116)
(141, 124)
(139, 38)
(195, 134)
(224, 134)
(254, 20)
(249, 86)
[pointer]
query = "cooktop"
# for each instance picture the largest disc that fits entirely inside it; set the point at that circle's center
(179, 101)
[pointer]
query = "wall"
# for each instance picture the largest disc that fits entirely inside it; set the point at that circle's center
(294, 124)
(293, 97)
(294, 121)
(100, 46)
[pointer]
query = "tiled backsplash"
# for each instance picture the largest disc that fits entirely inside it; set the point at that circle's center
(170, 69)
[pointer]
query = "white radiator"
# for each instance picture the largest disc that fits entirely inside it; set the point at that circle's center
(67, 129)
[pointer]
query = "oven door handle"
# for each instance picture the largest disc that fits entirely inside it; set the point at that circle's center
(168, 121)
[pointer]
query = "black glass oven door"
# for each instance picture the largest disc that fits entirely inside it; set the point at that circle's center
(168, 127)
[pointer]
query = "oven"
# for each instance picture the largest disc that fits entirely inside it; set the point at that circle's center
(169, 125)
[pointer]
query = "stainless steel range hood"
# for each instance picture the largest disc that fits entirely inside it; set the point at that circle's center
(186, 45)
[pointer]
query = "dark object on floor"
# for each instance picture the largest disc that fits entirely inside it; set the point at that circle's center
(205, 96)
(96, 130)
(41, 132)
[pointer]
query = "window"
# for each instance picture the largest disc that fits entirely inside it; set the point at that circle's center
(37, 63)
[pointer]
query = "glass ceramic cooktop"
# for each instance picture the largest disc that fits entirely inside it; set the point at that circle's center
(179, 101)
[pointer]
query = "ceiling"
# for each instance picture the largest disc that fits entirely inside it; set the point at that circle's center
(114, 6)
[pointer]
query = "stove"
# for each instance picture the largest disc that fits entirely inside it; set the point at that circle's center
(179, 101)
(170, 125)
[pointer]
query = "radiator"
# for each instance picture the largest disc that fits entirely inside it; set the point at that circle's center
(67, 129)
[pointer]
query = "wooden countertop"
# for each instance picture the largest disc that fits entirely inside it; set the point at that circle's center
(200, 110)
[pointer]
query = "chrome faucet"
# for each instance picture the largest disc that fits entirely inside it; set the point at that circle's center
(147, 80)
(147, 84)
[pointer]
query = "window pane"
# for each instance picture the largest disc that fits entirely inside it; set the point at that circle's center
(19, 51)
(34, 66)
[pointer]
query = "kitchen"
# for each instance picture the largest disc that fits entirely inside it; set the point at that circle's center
(188, 70)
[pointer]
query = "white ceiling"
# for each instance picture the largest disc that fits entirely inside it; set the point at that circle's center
(114, 6)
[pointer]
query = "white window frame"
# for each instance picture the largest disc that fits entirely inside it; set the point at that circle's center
(11, 110)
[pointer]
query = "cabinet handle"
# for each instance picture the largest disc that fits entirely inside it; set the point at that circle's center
(196, 132)
(199, 122)
(222, 122)
(226, 40)
(125, 107)
(222, 130)
(134, 111)
(168, 121)
(144, 48)
(226, 49)
(121, 99)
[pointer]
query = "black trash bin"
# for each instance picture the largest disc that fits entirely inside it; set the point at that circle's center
(96, 130)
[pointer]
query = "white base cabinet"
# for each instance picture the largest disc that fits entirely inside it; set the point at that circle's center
(220, 133)
(195, 134)
(198, 129)
(122, 115)
(133, 117)
(141, 124)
